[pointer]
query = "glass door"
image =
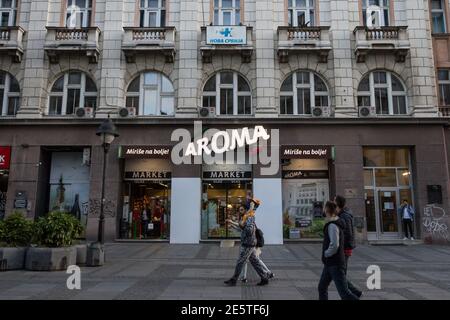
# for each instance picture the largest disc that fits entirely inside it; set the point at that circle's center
(387, 212)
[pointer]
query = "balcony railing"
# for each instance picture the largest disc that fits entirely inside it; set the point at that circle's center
(11, 42)
(61, 40)
(304, 39)
(141, 40)
(227, 40)
(382, 39)
(444, 111)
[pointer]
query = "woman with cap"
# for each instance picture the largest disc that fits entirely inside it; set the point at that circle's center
(247, 251)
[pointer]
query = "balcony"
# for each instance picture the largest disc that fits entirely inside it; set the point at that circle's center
(227, 40)
(149, 40)
(444, 111)
(11, 39)
(392, 40)
(296, 40)
(60, 41)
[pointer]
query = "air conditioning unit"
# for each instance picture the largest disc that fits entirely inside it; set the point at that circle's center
(366, 112)
(207, 112)
(127, 112)
(321, 112)
(86, 112)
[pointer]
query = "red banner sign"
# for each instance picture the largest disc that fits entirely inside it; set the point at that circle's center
(5, 157)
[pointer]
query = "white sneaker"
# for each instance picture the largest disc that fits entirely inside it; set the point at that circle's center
(412, 238)
(405, 238)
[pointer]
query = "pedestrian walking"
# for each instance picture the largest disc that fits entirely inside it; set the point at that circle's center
(333, 257)
(247, 250)
(345, 214)
(407, 213)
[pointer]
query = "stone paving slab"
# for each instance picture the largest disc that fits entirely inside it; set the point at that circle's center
(155, 271)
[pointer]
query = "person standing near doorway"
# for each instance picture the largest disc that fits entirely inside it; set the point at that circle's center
(407, 212)
(345, 214)
(333, 256)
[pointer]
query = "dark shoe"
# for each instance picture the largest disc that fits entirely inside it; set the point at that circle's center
(358, 294)
(244, 280)
(271, 275)
(263, 282)
(230, 282)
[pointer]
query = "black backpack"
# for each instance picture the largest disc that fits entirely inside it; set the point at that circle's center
(259, 238)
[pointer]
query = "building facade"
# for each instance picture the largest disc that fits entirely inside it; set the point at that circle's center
(357, 90)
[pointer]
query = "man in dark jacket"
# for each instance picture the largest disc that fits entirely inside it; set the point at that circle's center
(345, 215)
(333, 257)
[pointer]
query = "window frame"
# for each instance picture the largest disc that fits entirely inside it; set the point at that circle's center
(442, 11)
(441, 84)
(218, 13)
(365, 4)
(87, 12)
(293, 9)
(64, 94)
(12, 13)
(8, 94)
(312, 92)
(236, 94)
(389, 90)
(146, 10)
(158, 88)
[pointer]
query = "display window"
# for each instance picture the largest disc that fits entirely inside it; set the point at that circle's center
(305, 190)
(3, 190)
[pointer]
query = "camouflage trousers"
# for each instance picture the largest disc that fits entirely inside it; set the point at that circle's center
(250, 254)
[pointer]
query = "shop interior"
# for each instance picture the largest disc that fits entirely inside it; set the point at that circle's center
(3, 189)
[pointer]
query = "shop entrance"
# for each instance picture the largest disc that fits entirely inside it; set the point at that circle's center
(221, 201)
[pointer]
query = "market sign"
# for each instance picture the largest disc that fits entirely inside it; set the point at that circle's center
(306, 152)
(147, 175)
(305, 174)
(227, 175)
(226, 35)
(5, 158)
(140, 152)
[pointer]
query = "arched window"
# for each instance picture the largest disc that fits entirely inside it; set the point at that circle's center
(8, 13)
(228, 93)
(301, 13)
(72, 90)
(9, 95)
(227, 12)
(79, 13)
(152, 13)
(301, 92)
(383, 90)
(151, 94)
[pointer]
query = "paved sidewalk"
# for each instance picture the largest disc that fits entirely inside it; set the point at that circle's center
(163, 271)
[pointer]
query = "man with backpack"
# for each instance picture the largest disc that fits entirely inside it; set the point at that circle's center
(248, 249)
(345, 215)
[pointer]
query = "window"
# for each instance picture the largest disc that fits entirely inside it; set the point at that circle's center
(9, 95)
(381, 20)
(383, 90)
(301, 13)
(79, 13)
(301, 92)
(151, 94)
(438, 16)
(444, 87)
(71, 91)
(152, 13)
(227, 12)
(228, 93)
(8, 13)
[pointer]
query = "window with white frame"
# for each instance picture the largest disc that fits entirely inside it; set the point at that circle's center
(301, 92)
(228, 93)
(384, 6)
(8, 13)
(227, 12)
(79, 13)
(152, 13)
(438, 20)
(151, 94)
(385, 91)
(444, 87)
(301, 13)
(9, 95)
(72, 90)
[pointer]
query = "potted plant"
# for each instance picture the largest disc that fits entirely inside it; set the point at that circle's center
(53, 236)
(15, 236)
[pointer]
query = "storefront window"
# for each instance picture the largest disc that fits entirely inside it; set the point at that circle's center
(305, 191)
(3, 189)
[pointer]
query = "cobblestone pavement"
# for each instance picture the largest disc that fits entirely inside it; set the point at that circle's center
(163, 271)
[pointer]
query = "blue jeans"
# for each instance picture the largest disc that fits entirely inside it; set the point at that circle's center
(336, 274)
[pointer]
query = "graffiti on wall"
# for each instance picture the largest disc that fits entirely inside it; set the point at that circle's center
(434, 222)
(108, 209)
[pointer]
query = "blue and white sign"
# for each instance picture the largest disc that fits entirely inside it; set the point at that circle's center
(226, 35)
